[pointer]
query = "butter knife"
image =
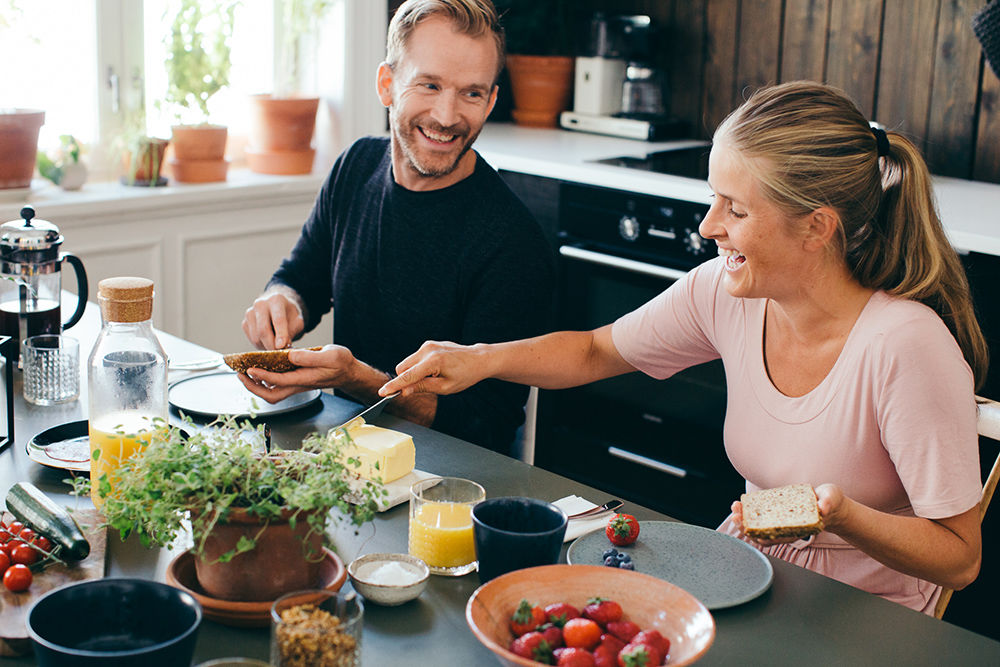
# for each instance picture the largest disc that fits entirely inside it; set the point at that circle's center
(371, 411)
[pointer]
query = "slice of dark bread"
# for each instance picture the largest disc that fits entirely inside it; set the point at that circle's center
(785, 511)
(275, 361)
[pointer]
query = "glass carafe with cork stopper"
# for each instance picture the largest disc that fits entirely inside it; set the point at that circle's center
(127, 379)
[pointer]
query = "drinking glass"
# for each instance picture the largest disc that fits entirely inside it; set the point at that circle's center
(515, 532)
(441, 524)
(317, 627)
(51, 366)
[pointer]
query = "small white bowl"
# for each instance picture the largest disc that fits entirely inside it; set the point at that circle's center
(362, 569)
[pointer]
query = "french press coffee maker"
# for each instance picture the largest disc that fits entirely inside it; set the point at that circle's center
(30, 280)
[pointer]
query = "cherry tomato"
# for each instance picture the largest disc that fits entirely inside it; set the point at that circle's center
(24, 554)
(27, 535)
(4, 562)
(17, 578)
(43, 543)
(4, 536)
(7, 548)
(15, 527)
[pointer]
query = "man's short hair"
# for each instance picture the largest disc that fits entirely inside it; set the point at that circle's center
(474, 18)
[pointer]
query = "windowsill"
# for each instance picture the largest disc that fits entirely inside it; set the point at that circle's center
(243, 189)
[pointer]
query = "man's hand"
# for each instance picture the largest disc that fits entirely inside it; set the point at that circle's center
(274, 319)
(333, 366)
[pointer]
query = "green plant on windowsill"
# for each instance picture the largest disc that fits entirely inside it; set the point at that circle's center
(299, 21)
(198, 57)
(203, 476)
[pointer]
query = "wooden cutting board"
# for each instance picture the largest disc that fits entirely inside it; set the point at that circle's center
(14, 606)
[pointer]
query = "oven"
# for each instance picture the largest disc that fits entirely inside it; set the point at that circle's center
(658, 443)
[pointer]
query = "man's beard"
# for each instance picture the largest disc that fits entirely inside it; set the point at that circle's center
(424, 168)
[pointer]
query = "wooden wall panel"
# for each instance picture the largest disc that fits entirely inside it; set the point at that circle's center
(853, 47)
(987, 160)
(951, 126)
(909, 37)
(759, 50)
(803, 44)
(686, 63)
(721, 22)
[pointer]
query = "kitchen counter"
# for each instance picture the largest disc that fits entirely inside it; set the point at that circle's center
(803, 616)
(970, 210)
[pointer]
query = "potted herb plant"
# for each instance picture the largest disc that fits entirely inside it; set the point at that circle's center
(539, 58)
(257, 519)
(198, 66)
(64, 167)
(141, 155)
(282, 123)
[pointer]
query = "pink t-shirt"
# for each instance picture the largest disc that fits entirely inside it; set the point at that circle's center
(893, 423)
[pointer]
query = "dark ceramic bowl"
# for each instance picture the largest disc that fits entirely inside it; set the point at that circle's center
(114, 622)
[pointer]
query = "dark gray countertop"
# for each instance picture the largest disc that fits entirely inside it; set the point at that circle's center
(803, 618)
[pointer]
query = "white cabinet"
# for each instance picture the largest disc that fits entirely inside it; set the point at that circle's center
(209, 249)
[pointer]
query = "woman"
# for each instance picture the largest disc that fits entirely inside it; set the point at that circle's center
(844, 321)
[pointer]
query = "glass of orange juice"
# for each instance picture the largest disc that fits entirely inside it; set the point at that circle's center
(441, 524)
(114, 438)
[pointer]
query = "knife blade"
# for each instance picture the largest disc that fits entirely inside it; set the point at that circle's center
(371, 411)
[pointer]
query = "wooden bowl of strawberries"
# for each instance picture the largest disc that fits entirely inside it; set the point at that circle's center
(588, 616)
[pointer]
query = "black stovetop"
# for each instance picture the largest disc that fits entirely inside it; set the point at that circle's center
(690, 162)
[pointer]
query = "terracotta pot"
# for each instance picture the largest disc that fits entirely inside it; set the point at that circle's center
(18, 146)
(541, 86)
(199, 153)
(280, 563)
(282, 123)
(146, 168)
(280, 162)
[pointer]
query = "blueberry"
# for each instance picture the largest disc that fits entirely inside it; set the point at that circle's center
(609, 552)
(629, 565)
(610, 561)
(626, 559)
(622, 558)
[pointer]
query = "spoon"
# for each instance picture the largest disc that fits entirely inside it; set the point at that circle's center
(609, 506)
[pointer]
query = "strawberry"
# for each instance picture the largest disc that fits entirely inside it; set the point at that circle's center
(623, 630)
(612, 642)
(526, 618)
(640, 655)
(622, 530)
(606, 656)
(602, 611)
(655, 638)
(575, 657)
(560, 612)
(532, 645)
(552, 634)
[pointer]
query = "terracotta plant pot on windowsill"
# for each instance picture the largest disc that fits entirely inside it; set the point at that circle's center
(199, 153)
(281, 130)
(18, 146)
(541, 86)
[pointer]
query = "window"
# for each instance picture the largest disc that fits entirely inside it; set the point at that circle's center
(94, 65)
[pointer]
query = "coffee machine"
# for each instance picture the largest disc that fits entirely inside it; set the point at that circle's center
(618, 91)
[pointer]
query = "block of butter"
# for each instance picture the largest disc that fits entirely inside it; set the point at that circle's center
(382, 453)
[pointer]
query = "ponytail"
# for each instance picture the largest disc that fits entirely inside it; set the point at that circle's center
(816, 149)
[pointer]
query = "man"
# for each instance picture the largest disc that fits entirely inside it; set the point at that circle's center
(415, 238)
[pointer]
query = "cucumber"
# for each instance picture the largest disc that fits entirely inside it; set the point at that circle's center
(32, 507)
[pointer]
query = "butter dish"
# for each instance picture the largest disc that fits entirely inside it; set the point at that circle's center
(398, 491)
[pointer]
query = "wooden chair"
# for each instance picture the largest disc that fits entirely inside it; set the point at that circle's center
(989, 427)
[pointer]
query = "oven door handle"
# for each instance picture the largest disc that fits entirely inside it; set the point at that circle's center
(630, 265)
(647, 462)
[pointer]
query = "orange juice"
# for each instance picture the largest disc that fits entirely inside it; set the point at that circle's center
(116, 437)
(441, 534)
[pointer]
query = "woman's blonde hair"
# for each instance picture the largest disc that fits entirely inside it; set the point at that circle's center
(468, 17)
(813, 147)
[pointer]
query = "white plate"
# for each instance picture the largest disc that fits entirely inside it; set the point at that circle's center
(66, 446)
(718, 569)
(216, 394)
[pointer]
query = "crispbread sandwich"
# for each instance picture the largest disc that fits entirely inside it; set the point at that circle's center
(785, 511)
(275, 361)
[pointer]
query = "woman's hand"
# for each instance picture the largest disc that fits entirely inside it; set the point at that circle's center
(439, 368)
(829, 498)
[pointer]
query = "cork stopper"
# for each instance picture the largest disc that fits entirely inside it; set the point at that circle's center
(125, 299)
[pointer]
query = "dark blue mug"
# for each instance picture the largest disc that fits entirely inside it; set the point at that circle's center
(513, 533)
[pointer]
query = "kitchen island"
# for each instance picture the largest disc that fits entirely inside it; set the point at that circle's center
(802, 617)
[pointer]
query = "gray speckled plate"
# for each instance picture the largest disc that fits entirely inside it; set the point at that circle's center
(719, 570)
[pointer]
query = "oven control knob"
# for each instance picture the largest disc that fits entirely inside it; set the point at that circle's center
(629, 228)
(695, 242)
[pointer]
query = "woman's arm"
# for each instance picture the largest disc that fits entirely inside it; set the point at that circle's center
(947, 552)
(553, 361)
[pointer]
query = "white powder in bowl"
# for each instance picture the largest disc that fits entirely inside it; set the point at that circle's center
(388, 573)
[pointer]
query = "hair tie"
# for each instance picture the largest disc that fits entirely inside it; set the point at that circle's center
(881, 141)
